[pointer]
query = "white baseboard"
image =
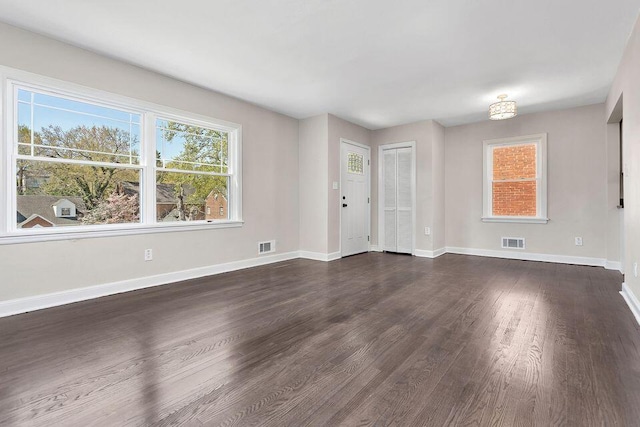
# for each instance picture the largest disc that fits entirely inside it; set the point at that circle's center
(631, 301)
(529, 256)
(375, 248)
(319, 256)
(38, 302)
(613, 265)
(429, 254)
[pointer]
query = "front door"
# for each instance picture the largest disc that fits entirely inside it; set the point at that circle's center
(354, 199)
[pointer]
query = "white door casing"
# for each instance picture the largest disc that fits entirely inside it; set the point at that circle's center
(396, 212)
(354, 198)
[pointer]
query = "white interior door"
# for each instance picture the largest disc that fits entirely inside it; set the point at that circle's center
(354, 199)
(397, 199)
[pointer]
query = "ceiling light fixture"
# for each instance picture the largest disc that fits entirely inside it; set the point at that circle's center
(503, 109)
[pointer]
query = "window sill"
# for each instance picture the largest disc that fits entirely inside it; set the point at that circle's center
(111, 231)
(523, 220)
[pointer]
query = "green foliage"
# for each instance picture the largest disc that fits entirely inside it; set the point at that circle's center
(92, 183)
(199, 150)
(204, 150)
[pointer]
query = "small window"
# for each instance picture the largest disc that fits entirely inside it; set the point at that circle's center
(355, 163)
(515, 179)
(65, 211)
(221, 211)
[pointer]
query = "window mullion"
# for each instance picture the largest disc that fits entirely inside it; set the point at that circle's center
(148, 187)
(6, 154)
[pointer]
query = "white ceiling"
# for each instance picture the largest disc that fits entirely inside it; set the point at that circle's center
(377, 63)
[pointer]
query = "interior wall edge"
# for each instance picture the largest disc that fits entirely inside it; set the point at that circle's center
(632, 301)
(319, 256)
(430, 254)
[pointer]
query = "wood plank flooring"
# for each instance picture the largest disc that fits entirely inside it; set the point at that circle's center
(374, 339)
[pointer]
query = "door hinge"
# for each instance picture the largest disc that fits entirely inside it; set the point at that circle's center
(368, 200)
(367, 238)
(369, 162)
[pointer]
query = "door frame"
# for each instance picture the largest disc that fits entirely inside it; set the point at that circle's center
(343, 142)
(381, 148)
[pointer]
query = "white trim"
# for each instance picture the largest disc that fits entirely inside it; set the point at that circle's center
(319, 256)
(357, 144)
(391, 146)
(38, 302)
(375, 248)
(528, 256)
(613, 265)
(58, 233)
(487, 170)
(368, 166)
(429, 254)
(523, 220)
(632, 301)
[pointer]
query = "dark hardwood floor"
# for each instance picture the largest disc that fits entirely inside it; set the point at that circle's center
(374, 339)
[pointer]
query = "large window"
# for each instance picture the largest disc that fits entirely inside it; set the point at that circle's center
(84, 161)
(515, 179)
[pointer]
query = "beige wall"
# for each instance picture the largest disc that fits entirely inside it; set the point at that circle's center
(613, 192)
(313, 177)
(319, 169)
(577, 183)
(338, 129)
(429, 138)
(290, 165)
(627, 85)
(438, 177)
(270, 187)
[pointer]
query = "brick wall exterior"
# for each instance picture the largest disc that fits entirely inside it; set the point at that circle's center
(514, 163)
(216, 207)
(36, 221)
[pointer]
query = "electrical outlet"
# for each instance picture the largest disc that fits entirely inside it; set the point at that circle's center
(578, 241)
(427, 231)
(148, 254)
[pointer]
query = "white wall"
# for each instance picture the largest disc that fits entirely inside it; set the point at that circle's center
(313, 177)
(627, 85)
(270, 187)
(577, 183)
(613, 192)
(438, 237)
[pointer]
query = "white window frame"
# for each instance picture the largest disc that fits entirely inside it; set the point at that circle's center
(11, 79)
(541, 177)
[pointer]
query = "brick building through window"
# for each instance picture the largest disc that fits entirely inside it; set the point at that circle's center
(515, 179)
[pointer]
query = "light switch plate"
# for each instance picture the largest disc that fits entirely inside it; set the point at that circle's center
(335, 185)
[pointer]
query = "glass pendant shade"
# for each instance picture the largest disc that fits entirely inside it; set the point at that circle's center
(503, 109)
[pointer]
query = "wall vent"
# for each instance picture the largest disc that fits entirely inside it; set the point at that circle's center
(266, 247)
(513, 243)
